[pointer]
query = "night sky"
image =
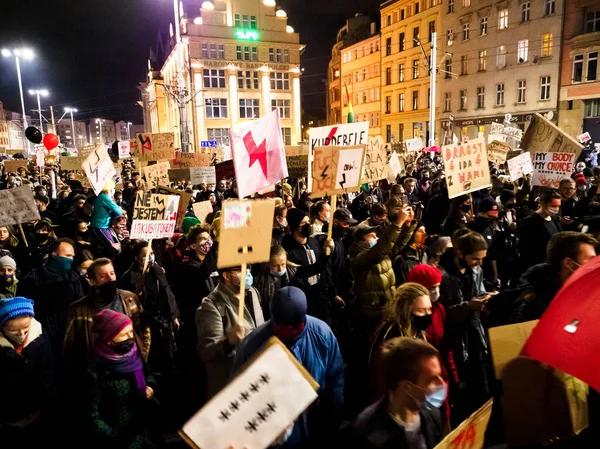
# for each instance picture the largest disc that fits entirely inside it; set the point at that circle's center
(91, 54)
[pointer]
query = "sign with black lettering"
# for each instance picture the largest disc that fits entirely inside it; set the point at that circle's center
(154, 216)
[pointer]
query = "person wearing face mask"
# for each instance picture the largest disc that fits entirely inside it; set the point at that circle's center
(461, 213)
(319, 216)
(119, 387)
(507, 256)
(8, 276)
(486, 223)
(407, 416)
(315, 346)
(219, 331)
(42, 202)
(280, 225)
(536, 230)
(437, 245)
(38, 250)
(412, 255)
(26, 359)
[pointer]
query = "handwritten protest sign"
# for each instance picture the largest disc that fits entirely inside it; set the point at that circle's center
(543, 136)
(187, 160)
(206, 175)
(17, 206)
(471, 433)
(71, 162)
(257, 405)
(155, 147)
(182, 174)
(99, 168)
(414, 144)
(550, 168)
(184, 201)
(202, 209)
(337, 169)
(466, 167)
(375, 167)
(225, 170)
(124, 149)
(519, 166)
(154, 216)
(297, 160)
(158, 171)
(394, 167)
(40, 156)
(506, 130)
(85, 151)
(498, 137)
(497, 152)
(585, 137)
(11, 166)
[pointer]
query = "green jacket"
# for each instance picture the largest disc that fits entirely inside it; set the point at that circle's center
(9, 291)
(375, 282)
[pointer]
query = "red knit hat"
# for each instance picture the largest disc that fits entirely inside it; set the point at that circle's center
(426, 275)
(108, 324)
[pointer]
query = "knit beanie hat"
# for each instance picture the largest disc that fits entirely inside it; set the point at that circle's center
(438, 245)
(7, 261)
(188, 222)
(294, 217)
(426, 275)
(108, 324)
(11, 308)
(288, 306)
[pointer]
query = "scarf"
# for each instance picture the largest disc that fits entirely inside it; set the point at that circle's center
(130, 363)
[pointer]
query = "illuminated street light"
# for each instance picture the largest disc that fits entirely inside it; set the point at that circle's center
(208, 5)
(40, 93)
(281, 13)
(269, 2)
(289, 29)
(71, 111)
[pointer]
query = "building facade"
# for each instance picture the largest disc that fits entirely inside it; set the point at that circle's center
(123, 130)
(334, 83)
(503, 57)
(406, 34)
(579, 108)
(65, 132)
(101, 130)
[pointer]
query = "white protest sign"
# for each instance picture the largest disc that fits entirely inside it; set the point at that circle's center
(349, 167)
(414, 144)
(375, 161)
(199, 175)
(550, 168)
(158, 171)
(256, 406)
(17, 206)
(40, 156)
(202, 209)
(99, 168)
(394, 167)
(466, 167)
(506, 130)
(124, 149)
(585, 137)
(497, 137)
(471, 433)
(520, 166)
(154, 216)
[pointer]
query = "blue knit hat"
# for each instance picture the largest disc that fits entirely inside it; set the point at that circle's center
(11, 308)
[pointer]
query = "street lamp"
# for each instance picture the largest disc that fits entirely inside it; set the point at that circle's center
(40, 93)
(71, 110)
(27, 54)
(129, 130)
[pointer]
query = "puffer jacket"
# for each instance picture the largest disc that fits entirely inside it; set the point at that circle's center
(375, 282)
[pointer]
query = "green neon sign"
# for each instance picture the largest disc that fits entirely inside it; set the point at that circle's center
(247, 35)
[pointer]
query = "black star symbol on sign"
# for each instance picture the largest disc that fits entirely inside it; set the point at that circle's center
(252, 426)
(262, 417)
(224, 415)
(265, 378)
(254, 388)
(234, 406)
(271, 406)
(244, 396)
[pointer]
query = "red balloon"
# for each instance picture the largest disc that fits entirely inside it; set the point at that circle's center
(51, 141)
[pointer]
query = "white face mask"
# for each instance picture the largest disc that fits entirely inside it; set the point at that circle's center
(327, 216)
(18, 339)
(553, 210)
(434, 295)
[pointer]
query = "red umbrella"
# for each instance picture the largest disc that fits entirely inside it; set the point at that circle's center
(568, 334)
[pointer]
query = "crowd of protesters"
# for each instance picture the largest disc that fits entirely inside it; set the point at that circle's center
(109, 342)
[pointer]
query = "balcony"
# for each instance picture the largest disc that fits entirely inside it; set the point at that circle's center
(585, 40)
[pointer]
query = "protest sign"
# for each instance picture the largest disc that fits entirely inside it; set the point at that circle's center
(203, 175)
(40, 156)
(158, 171)
(187, 160)
(414, 144)
(184, 201)
(550, 168)
(17, 206)
(71, 162)
(11, 166)
(375, 161)
(225, 170)
(497, 152)
(177, 175)
(99, 168)
(154, 216)
(124, 149)
(202, 209)
(543, 136)
(297, 160)
(296, 150)
(519, 166)
(337, 169)
(506, 130)
(498, 137)
(85, 151)
(245, 224)
(155, 147)
(466, 167)
(394, 167)
(471, 433)
(257, 405)
(585, 137)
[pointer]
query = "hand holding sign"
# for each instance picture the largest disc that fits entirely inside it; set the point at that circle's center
(471, 433)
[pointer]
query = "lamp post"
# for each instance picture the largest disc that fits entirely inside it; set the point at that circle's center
(71, 110)
(27, 54)
(180, 79)
(39, 93)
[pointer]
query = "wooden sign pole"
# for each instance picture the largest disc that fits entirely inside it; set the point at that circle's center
(23, 235)
(147, 258)
(242, 293)
(330, 228)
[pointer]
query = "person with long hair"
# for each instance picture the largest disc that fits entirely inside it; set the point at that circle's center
(461, 213)
(8, 238)
(319, 215)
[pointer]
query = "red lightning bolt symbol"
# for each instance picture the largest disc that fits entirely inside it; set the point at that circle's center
(256, 153)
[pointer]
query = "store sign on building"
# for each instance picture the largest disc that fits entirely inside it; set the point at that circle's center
(246, 35)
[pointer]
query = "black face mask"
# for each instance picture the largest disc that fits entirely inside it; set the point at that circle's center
(107, 291)
(123, 347)
(41, 238)
(421, 323)
(393, 218)
(339, 233)
(511, 205)
(465, 208)
(305, 230)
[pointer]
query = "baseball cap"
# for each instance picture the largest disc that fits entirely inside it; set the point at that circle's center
(361, 231)
(489, 205)
(344, 215)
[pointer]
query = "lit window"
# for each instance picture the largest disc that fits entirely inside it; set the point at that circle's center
(503, 19)
(482, 64)
(522, 51)
(449, 37)
(415, 100)
(400, 102)
(547, 45)
(501, 56)
(286, 133)
(415, 71)
(463, 65)
(400, 73)
(466, 3)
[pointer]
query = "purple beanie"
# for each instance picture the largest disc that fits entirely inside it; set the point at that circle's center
(108, 324)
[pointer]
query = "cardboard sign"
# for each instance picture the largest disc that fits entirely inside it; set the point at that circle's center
(124, 149)
(375, 167)
(337, 170)
(296, 150)
(17, 206)
(585, 137)
(471, 433)
(414, 144)
(155, 147)
(245, 224)
(99, 168)
(11, 166)
(550, 168)
(179, 175)
(203, 175)
(506, 130)
(466, 167)
(257, 405)
(225, 170)
(543, 136)
(498, 137)
(187, 160)
(158, 171)
(202, 209)
(85, 151)
(497, 152)
(40, 157)
(71, 163)
(184, 201)
(394, 167)
(520, 166)
(297, 166)
(154, 216)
